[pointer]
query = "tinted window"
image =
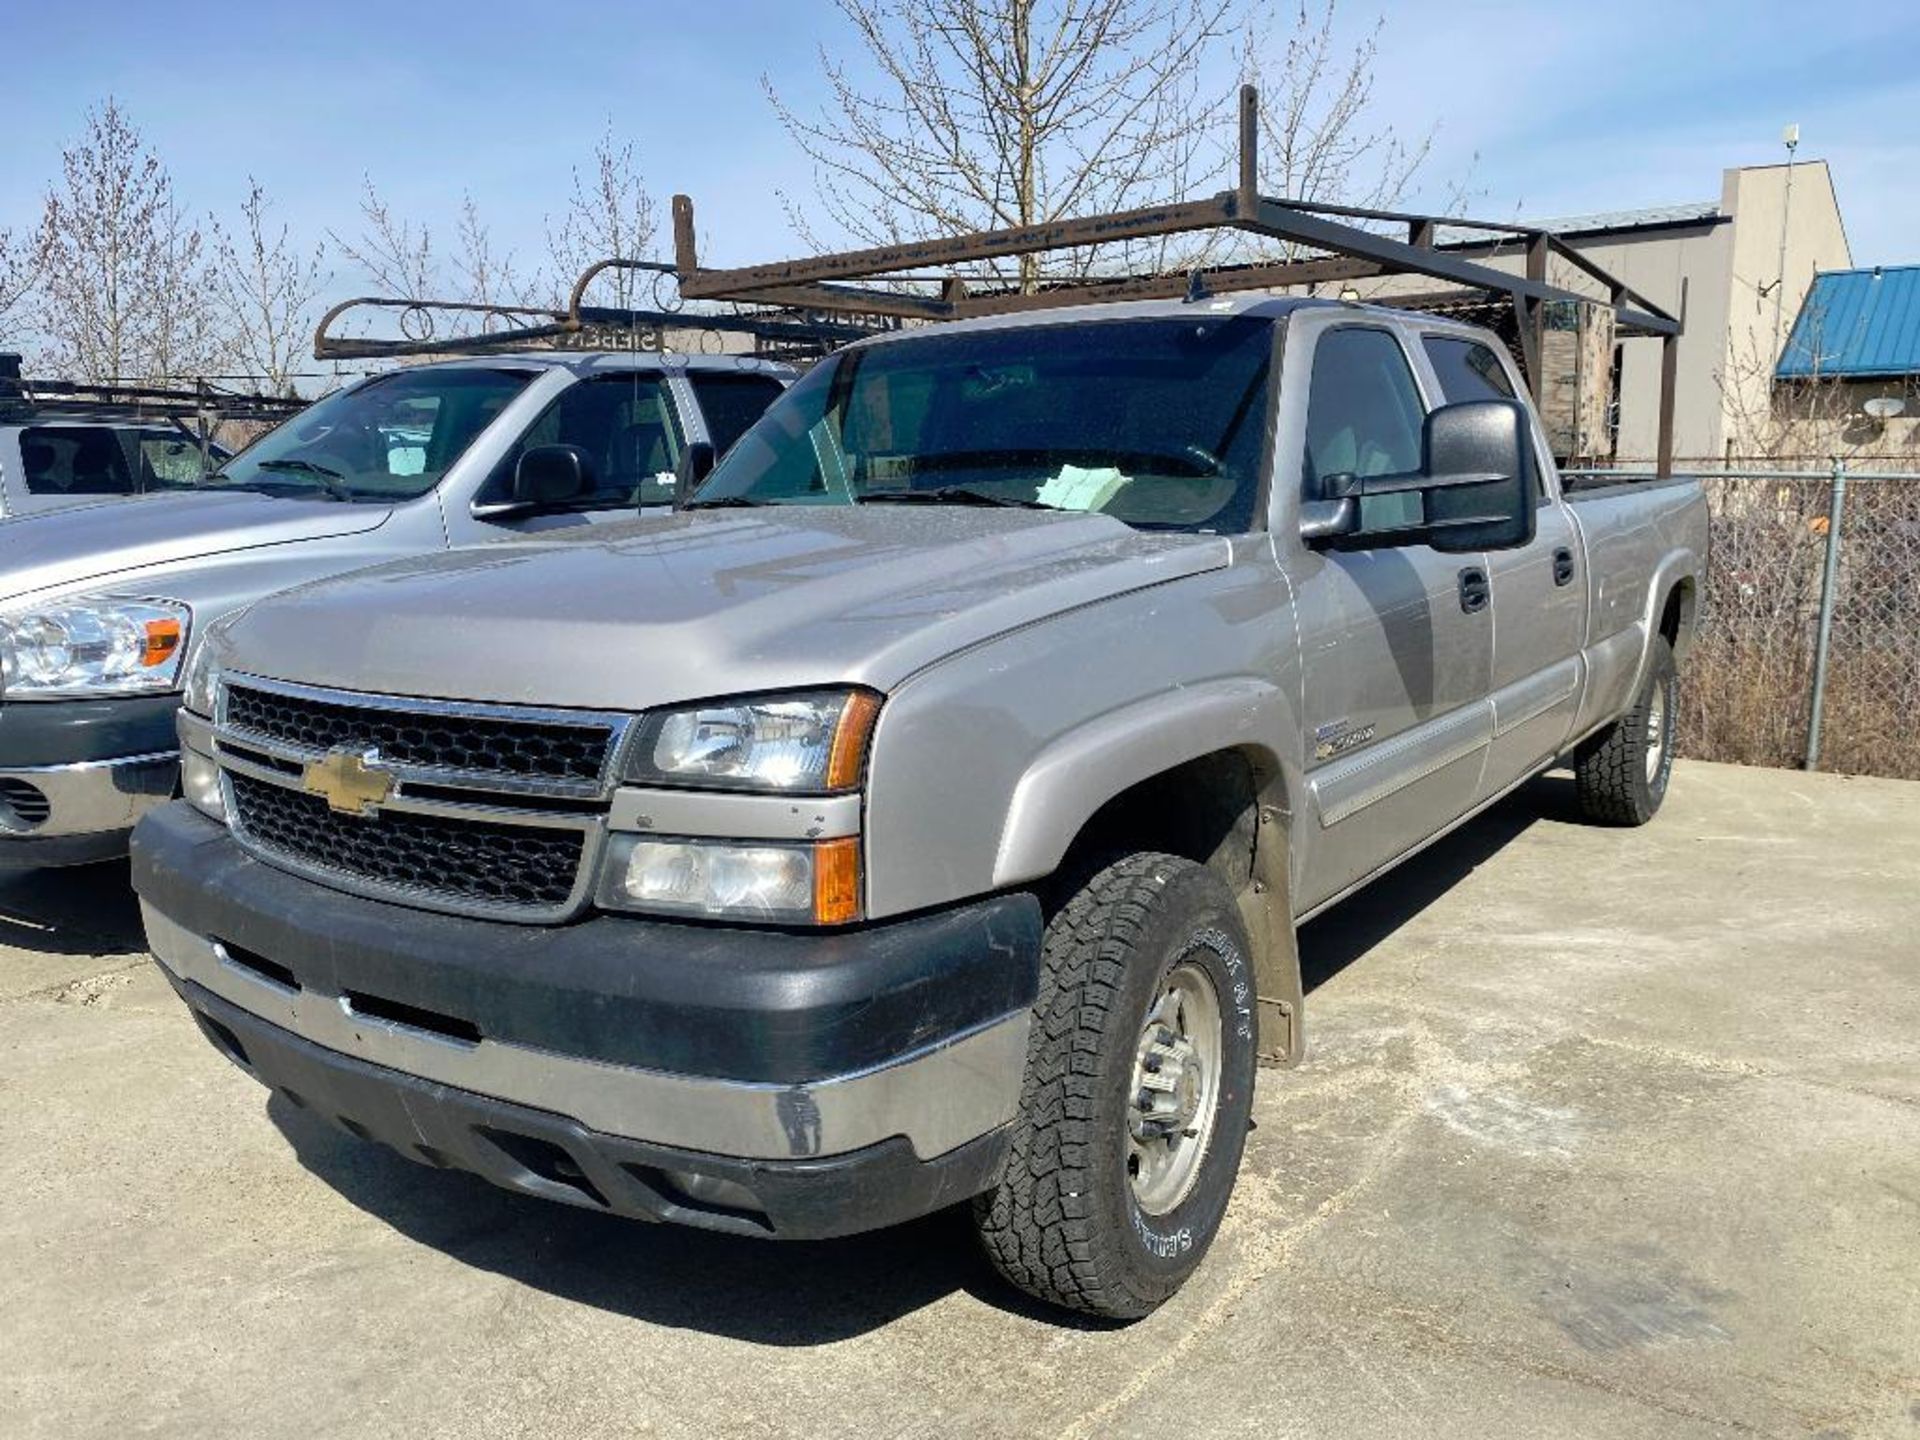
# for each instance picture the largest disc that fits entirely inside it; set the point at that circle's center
(626, 425)
(389, 439)
(74, 460)
(1364, 417)
(731, 403)
(1467, 369)
(1158, 423)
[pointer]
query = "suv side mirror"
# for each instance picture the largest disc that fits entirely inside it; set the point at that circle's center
(1476, 486)
(696, 463)
(545, 477)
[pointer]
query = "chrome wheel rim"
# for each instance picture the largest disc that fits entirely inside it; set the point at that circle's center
(1656, 731)
(1176, 1090)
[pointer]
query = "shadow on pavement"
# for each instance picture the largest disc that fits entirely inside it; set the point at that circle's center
(795, 1293)
(813, 1292)
(1334, 940)
(82, 910)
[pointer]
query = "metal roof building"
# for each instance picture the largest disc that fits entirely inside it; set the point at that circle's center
(1856, 324)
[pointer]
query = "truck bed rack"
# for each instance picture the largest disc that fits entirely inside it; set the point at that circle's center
(1347, 243)
(778, 332)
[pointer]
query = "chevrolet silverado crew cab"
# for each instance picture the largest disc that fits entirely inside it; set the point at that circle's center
(101, 606)
(922, 814)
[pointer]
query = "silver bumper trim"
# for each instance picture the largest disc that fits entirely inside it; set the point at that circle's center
(93, 797)
(938, 1098)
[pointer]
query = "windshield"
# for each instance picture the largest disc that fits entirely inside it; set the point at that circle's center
(389, 439)
(1157, 423)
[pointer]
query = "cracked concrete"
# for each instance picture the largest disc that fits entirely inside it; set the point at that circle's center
(1600, 1133)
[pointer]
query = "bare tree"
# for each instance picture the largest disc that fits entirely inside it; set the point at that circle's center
(609, 215)
(396, 255)
(125, 288)
(267, 287)
(18, 274)
(995, 113)
(486, 276)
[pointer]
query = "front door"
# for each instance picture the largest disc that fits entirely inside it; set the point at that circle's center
(1396, 640)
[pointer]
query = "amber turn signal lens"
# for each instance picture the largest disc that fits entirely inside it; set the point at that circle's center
(163, 640)
(850, 737)
(836, 881)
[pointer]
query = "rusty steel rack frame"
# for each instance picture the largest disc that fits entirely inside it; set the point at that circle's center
(1349, 252)
(784, 331)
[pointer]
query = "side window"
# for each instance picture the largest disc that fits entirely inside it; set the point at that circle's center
(627, 426)
(1364, 417)
(1467, 369)
(731, 403)
(74, 460)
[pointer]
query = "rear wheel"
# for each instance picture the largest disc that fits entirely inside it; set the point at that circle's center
(1622, 773)
(1137, 1094)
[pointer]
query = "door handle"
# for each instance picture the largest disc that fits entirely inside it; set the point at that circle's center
(1475, 592)
(1563, 566)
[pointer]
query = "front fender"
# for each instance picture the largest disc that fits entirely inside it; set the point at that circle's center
(1072, 777)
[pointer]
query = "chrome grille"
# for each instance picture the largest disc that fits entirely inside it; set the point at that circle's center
(442, 739)
(492, 810)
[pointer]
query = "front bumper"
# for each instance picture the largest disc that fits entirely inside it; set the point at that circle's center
(719, 1051)
(76, 774)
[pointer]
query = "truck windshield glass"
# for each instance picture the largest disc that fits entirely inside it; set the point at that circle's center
(389, 439)
(1158, 423)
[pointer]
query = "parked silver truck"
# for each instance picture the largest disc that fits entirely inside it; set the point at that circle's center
(101, 606)
(921, 815)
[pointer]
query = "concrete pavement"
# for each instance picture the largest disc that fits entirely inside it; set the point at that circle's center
(1601, 1133)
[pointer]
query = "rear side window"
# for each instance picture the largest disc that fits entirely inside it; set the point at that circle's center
(1467, 369)
(1364, 418)
(627, 426)
(731, 403)
(74, 460)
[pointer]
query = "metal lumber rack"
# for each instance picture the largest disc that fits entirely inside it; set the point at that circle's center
(1344, 251)
(203, 404)
(778, 332)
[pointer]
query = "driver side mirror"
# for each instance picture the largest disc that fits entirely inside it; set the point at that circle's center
(546, 477)
(696, 463)
(1475, 489)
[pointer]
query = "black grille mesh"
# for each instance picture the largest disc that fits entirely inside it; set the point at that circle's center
(539, 749)
(473, 860)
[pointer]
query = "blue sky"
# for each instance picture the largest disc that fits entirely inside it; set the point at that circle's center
(1567, 109)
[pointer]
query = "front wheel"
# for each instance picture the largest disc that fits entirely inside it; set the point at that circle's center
(1138, 1091)
(1621, 774)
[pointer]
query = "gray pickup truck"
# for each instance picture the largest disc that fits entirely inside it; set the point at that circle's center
(101, 606)
(921, 815)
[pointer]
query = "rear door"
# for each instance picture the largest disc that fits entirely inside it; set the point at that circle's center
(1396, 639)
(1539, 594)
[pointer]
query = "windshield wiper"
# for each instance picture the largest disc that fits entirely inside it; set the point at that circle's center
(330, 481)
(949, 495)
(727, 502)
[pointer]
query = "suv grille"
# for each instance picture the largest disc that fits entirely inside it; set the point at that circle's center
(539, 749)
(475, 861)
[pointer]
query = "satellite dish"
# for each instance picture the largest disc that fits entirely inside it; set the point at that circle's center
(1885, 407)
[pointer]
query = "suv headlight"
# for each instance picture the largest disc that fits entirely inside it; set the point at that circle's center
(202, 677)
(93, 645)
(812, 743)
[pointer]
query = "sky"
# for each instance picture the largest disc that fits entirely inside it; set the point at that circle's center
(1541, 110)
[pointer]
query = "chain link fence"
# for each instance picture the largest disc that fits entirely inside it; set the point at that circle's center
(1808, 648)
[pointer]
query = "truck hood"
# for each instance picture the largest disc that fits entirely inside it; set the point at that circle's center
(112, 545)
(628, 616)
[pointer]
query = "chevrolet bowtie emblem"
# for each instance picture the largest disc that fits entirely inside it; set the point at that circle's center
(349, 780)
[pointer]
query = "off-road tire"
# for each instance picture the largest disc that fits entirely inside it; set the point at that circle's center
(1063, 1223)
(1610, 770)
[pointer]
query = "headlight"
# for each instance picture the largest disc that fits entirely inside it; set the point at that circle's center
(200, 784)
(776, 883)
(795, 744)
(94, 645)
